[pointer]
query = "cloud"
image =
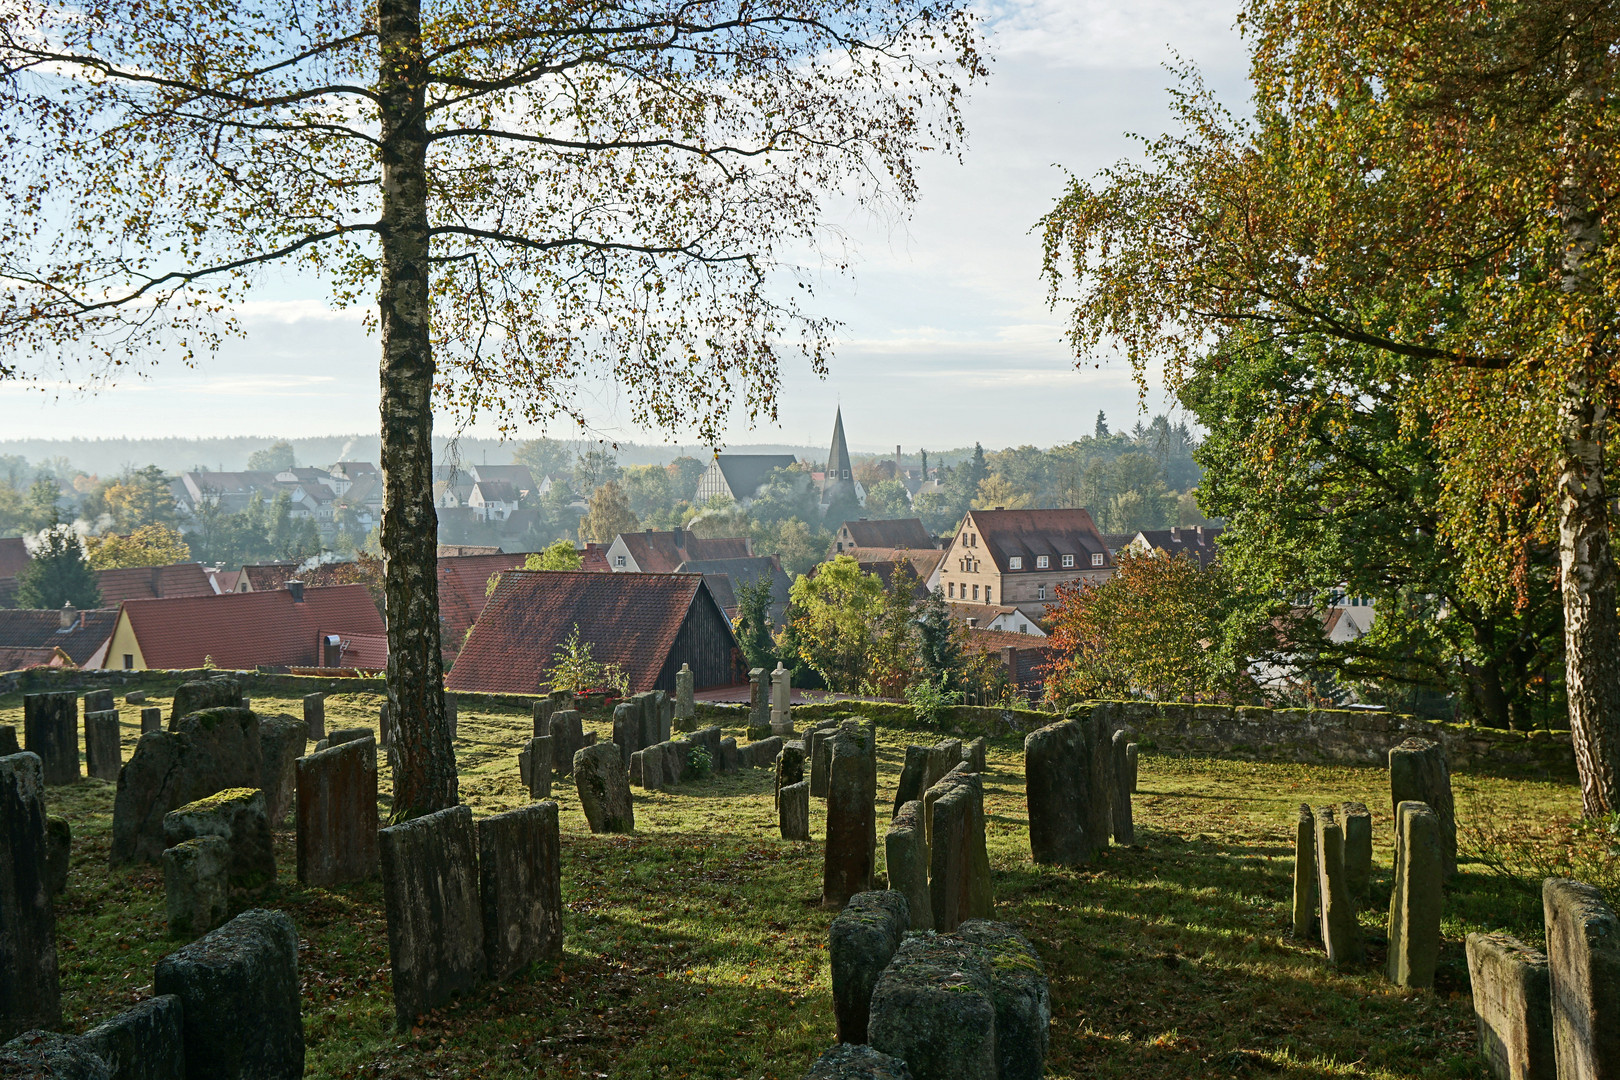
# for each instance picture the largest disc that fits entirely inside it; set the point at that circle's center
(1108, 35)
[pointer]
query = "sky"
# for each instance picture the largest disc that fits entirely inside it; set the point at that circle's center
(946, 336)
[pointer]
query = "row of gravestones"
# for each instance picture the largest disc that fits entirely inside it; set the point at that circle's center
(1079, 775)
(770, 703)
(971, 1004)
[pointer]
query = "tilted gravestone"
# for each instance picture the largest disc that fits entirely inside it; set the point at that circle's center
(793, 811)
(239, 999)
(627, 728)
(51, 732)
(1055, 779)
(567, 738)
(520, 888)
(435, 916)
(315, 715)
(29, 990)
(1415, 901)
(1305, 874)
(144, 1042)
(933, 1007)
(1131, 763)
(959, 866)
(913, 777)
(281, 743)
(195, 697)
(850, 853)
(1418, 772)
(237, 816)
(1512, 997)
(1100, 777)
(863, 938)
(1583, 962)
(337, 814)
(603, 784)
(818, 753)
(103, 752)
(196, 885)
(906, 855)
(212, 751)
(1340, 935)
(1358, 846)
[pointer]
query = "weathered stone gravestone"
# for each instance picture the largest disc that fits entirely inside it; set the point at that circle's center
(974, 754)
(385, 725)
(781, 701)
(728, 756)
(135, 697)
(435, 916)
(789, 766)
(196, 885)
(99, 701)
(1055, 779)
(793, 811)
(673, 755)
(652, 767)
(685, 707)
(1022, 998)
(603, 783)
(1130, 764)
(762, 753)
(151, 720)
(29, 991)
(520, 888)
(534, 767)
(1418, 772)
(51, 733)
(1358, 847)
(1100, 777)
(195, 697)
(959, 865)
(212, 751)
(850, 855)
(857, 1061)
(933, 1008)
(913, 777)
(1124, 826)
(281, 743)
(452, 714)
(144, 1042)
(627, 728)
(863, 938)
(567, 739)
(337, 814)
(48, 1054)
(58, 852)
(759, 704)
(1512, 1006)
(103, 753)
(1415, 901)
(315, 715)
(1305, 874)
(235, 815)
(906, 852)
(709, 739)
(8, 741)
(1338, 911)
(818, 752)
(1583, 962)
(239, 1002)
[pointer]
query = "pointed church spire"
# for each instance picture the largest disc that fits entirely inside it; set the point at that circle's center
(838, 466)
(838, 493)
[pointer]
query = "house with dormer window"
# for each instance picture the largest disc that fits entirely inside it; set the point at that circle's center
(1018, 558)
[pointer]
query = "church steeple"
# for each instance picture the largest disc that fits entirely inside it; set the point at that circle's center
(838, 489)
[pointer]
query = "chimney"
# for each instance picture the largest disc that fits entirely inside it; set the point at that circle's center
(70, 615)
(680, 537)
(296, 588)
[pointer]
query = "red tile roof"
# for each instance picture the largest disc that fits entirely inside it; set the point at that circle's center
(1198, 543)
(463, 581)
(25, 628)
(897, 533)
(631, 620)
(1029, 533)
(13, 556)
(244, 630)
(16, 659)
(660, 551)
(267, 577)
(152, 582)
(594, 559)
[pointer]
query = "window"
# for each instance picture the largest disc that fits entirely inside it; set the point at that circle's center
(950, 590)
(1068, 561)
(129, 661)
(987, 595)
(1040, 592)
(1097, 560)
(840, 545)
(975, 592)
(618, 560)
(1042, 562)
(1015, 562)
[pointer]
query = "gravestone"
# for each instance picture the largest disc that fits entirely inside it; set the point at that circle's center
(1124, 827)
(789, 767)
(728, 756)
(1358, 848)
(151, 720)
(818, 746)
(520, 887)
(435, 916)
(1512, 1006)
(857, 1061)
(604, 789)
(135, 697)
(350, 734)
(793, 811)
(99, 701)
(974, 754)
(567, 739)
(627, 728)
(1583, 964)
(237, 816)
(1100, 778)
(281, 743)
(452, 714)
(543, 708)
(947, 756)
(1055, 778)
(1130, 764)
(315, 715)
(1415, 902)
(913, 777)
(781, 701)
(959, 866)
(1305, 874)
(1022, 998)
(906, 855)
(685, 707)
(8, 741)
(652, 767)
(196, 885)
(58, 853)
(637, 776)
(213, 750)
(51, 733)
(673, 754)
(762, 753)
(933, 1008)
(103, 753)
(534, 767)
(38, 1055)
(385, 726)
(850, 854)
(1418, 772)
(863, 938)
(239, 1001)
(709, 739)
(201, 695)
(144, 1042)
(759, 706)
(1338, 912)
(337, 813)
(29, 991)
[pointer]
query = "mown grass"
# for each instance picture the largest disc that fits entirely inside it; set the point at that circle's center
(696, 948)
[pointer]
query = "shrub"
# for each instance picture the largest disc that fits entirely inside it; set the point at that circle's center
(699, 765)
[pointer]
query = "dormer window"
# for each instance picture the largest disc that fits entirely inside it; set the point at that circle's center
(1015, 562)
(1042, 562)
(618, 560)
(1068, 560)
(1097, 560)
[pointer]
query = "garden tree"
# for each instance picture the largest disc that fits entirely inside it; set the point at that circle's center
(544, 457)
(753, 623)
(1150, 630)
(594, 468)
(684, 474)
(149, 545)
(647, 489)
(888, 499)
(996, 492)
(289, 538)
(785, 493)
(607, 515)
(795, 546)
(1329, 487)
(277, 457)
(225, 539)
(140, 497)
(532, 191)
(559, 555)
(1430, 180)
(11, 509)
(939, 645)
(833, 613)
(56, 573)
(42, 505)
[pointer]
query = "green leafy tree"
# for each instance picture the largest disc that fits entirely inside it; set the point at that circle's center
(277, 457)
(140, 497)
(939, 644)
(888, 499)
(42, 506)
(754, 630)
(647, 489)
(149, 545)
(559, 555)
(57, 573)
(684, 474)
(796, 546)
(608, 516)
(544, 457)
(594, 468)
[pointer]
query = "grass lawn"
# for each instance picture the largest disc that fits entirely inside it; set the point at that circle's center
(696, 948)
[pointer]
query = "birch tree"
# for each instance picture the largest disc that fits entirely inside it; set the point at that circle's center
(531, 193)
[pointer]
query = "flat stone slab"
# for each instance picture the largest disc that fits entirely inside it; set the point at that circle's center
(1022, 997)
(51, 731)
(38, 1055)
(933, 1008)
(144, 1042)
(236, 816)
(337, 814)
(201, 694)
(1512, 995)
(435, 915)
(520, 886)
(196, 885)
(862, 940)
